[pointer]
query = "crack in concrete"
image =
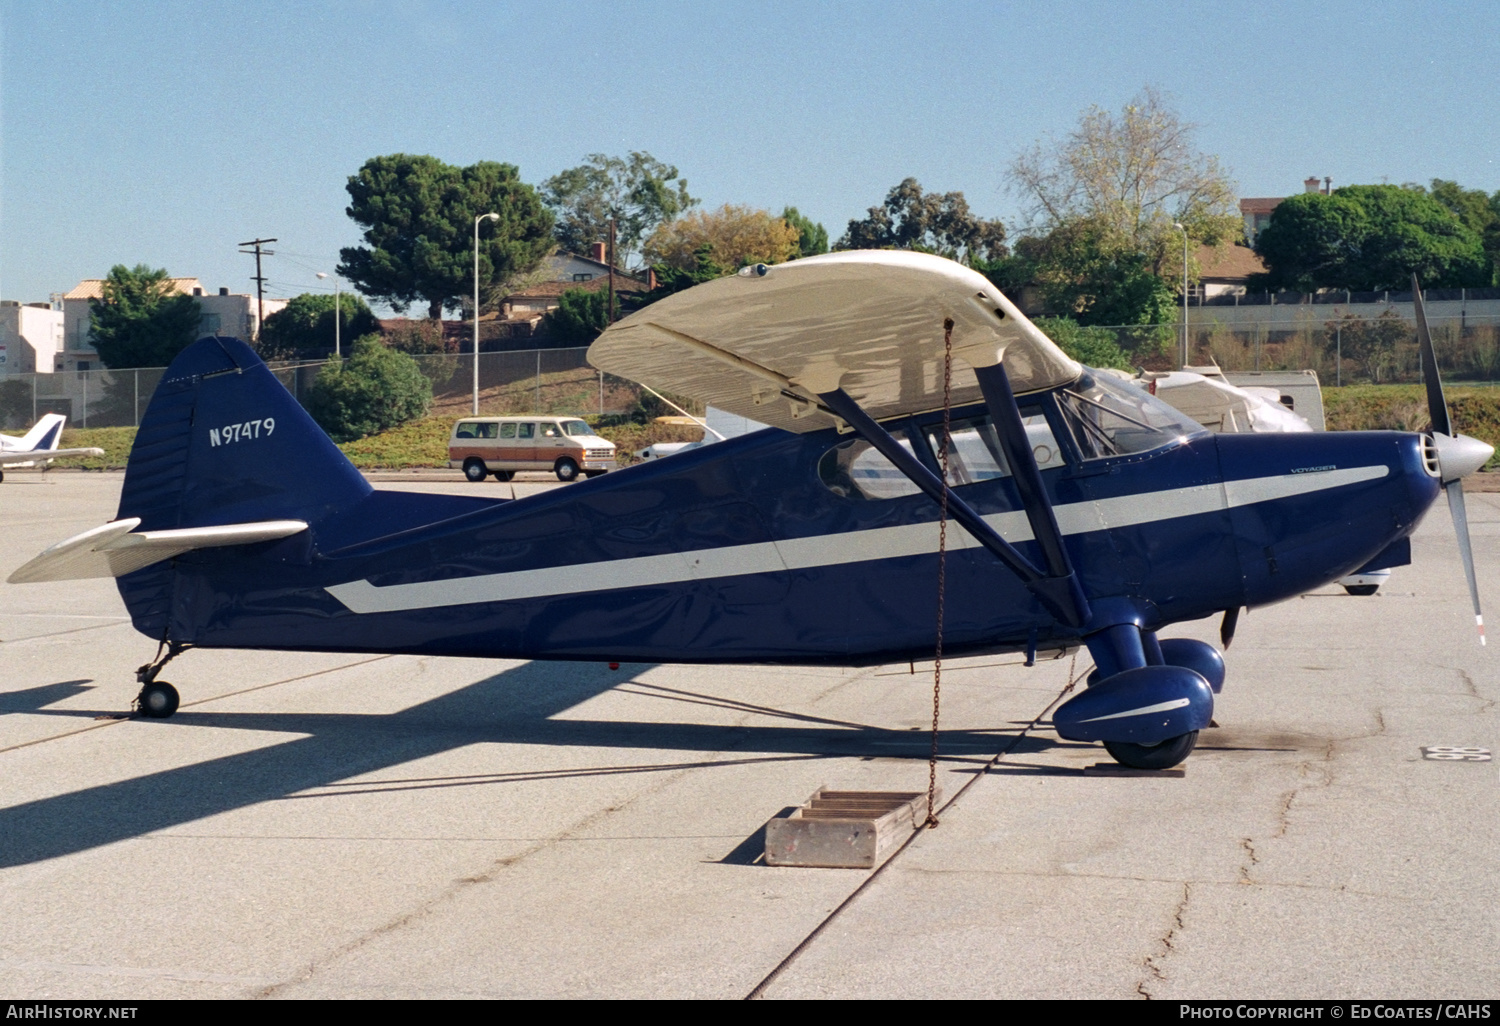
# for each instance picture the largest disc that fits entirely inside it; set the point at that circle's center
(1248, 844)
(1472, 690)
(1178, 881)
(453, 890)
(1166, 945)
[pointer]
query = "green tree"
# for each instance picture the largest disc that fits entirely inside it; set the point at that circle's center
(141, 320)
(1089, 272)
(812, 238)
(375, 390)
(1478, 212)
(1368, 238)
(671, 279)
(304, 327)
(638, 192)
(580, 316)
(418, 219)
(928, 222)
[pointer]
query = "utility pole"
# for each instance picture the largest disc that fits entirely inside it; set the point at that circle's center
(609, 311)
(259, 279)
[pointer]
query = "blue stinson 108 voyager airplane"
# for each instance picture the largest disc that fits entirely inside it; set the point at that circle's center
(1091, 513)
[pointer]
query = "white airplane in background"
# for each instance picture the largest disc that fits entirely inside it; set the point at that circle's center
(39, 445)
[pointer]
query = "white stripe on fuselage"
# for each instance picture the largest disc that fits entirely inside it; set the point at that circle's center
(832, 549)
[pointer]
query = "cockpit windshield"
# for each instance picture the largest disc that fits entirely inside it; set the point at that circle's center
(1112, 418)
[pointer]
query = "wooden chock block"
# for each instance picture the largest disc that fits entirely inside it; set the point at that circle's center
(845, 829)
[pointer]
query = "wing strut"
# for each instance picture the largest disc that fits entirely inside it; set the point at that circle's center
(1006, 415)
(1061, 595)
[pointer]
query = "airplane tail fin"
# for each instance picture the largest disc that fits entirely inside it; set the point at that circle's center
(44, 435)
(223, 442)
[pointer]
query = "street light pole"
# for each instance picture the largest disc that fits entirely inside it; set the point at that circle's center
(1183, 230)
(338, 316)
(481, 217)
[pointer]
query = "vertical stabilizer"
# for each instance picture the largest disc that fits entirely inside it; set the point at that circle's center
(45, 434)
(223, 442)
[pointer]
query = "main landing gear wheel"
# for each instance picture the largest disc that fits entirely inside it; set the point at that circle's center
(566, 469)
(158, 700)
(475, 470)
(1153, 757)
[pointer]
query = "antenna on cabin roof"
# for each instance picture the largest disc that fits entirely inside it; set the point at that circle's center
(259, 279)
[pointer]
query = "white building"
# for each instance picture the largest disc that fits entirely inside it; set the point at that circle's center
(230, 314)
(31, 337)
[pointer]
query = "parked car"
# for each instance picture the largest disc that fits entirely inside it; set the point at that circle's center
(567, 446)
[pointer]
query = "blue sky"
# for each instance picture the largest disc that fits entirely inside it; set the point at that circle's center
(165, 133)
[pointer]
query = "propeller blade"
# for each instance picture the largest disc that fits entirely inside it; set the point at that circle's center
(1455, 490)
(1437, 403)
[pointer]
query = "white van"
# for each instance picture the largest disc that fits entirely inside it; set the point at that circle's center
(567, 446)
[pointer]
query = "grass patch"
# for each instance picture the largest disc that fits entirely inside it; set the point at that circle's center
(115, 441)
(1475, 410)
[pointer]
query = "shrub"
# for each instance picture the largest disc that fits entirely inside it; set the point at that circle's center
(420, 338)
(15, 403)
(375, 390)
(579, 318)
(1092, 346)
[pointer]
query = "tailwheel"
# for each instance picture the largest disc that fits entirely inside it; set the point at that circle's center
(157, 700)
(1162, 756)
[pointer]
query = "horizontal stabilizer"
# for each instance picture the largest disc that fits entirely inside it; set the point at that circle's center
(112, 550)
(10, 458)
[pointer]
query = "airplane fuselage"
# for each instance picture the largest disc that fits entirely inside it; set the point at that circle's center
(741, 551)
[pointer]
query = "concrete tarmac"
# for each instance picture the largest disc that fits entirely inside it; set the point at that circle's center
(357, 826)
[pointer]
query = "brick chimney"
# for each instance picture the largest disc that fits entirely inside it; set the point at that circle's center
(597, 251)
(1311, 184)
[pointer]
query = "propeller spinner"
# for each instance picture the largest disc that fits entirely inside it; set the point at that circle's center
(1457, 455)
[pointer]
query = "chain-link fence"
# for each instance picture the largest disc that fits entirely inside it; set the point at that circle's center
(1344, 349)
(517, 382)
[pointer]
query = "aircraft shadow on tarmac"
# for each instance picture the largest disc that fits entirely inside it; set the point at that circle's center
(35, 699)
(512, 707)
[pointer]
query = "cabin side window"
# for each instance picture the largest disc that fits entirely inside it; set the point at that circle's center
(973, 451)
(856, 470)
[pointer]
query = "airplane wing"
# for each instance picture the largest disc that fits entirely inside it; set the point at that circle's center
(13, 457)
(765, 342)
(112, 550)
